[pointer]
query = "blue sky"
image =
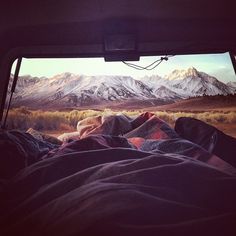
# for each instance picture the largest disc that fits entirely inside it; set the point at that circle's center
(218, 65)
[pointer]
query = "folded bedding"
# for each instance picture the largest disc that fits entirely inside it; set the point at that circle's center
(18, 150)
(209, 137)
(144, 178)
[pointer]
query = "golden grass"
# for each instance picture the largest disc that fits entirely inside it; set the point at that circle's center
(22, 118)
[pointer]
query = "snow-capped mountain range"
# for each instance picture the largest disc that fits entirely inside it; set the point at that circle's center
(70, 90)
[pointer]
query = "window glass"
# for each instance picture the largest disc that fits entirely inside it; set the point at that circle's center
(52, 95)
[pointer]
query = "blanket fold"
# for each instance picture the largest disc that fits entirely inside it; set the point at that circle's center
(143, 178)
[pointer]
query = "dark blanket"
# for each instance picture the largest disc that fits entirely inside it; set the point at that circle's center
(149, 181)
(209, 137)
(18, 150)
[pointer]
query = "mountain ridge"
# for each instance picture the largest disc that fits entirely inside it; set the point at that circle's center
(71, 90)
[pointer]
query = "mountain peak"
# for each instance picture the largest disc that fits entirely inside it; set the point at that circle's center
(192, 68)
(181, 74)
(192, 71)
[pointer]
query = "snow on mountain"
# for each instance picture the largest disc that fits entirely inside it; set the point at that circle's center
(232, 85)
(152, 81)
(164, 92)
(191, 82)
(68, 89)
(188, 83)
(81, 90)
(183, 74)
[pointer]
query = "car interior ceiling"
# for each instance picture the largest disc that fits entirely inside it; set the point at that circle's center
(79, 29)
(112, 186)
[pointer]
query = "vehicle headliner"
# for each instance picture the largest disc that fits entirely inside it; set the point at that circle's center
(77, 28)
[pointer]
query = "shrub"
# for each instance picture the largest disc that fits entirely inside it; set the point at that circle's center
(22, 118)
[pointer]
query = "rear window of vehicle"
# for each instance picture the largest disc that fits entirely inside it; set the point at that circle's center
(52, 95)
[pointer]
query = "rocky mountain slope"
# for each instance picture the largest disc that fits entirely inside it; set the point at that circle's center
(70, 90)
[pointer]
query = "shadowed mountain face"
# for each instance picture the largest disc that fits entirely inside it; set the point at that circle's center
(69, 90)
(232, 84)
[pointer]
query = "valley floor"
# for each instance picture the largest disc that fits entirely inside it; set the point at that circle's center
(58, 122)
(219, 111)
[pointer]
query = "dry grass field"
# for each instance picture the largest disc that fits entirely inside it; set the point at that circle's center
(57, 122)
